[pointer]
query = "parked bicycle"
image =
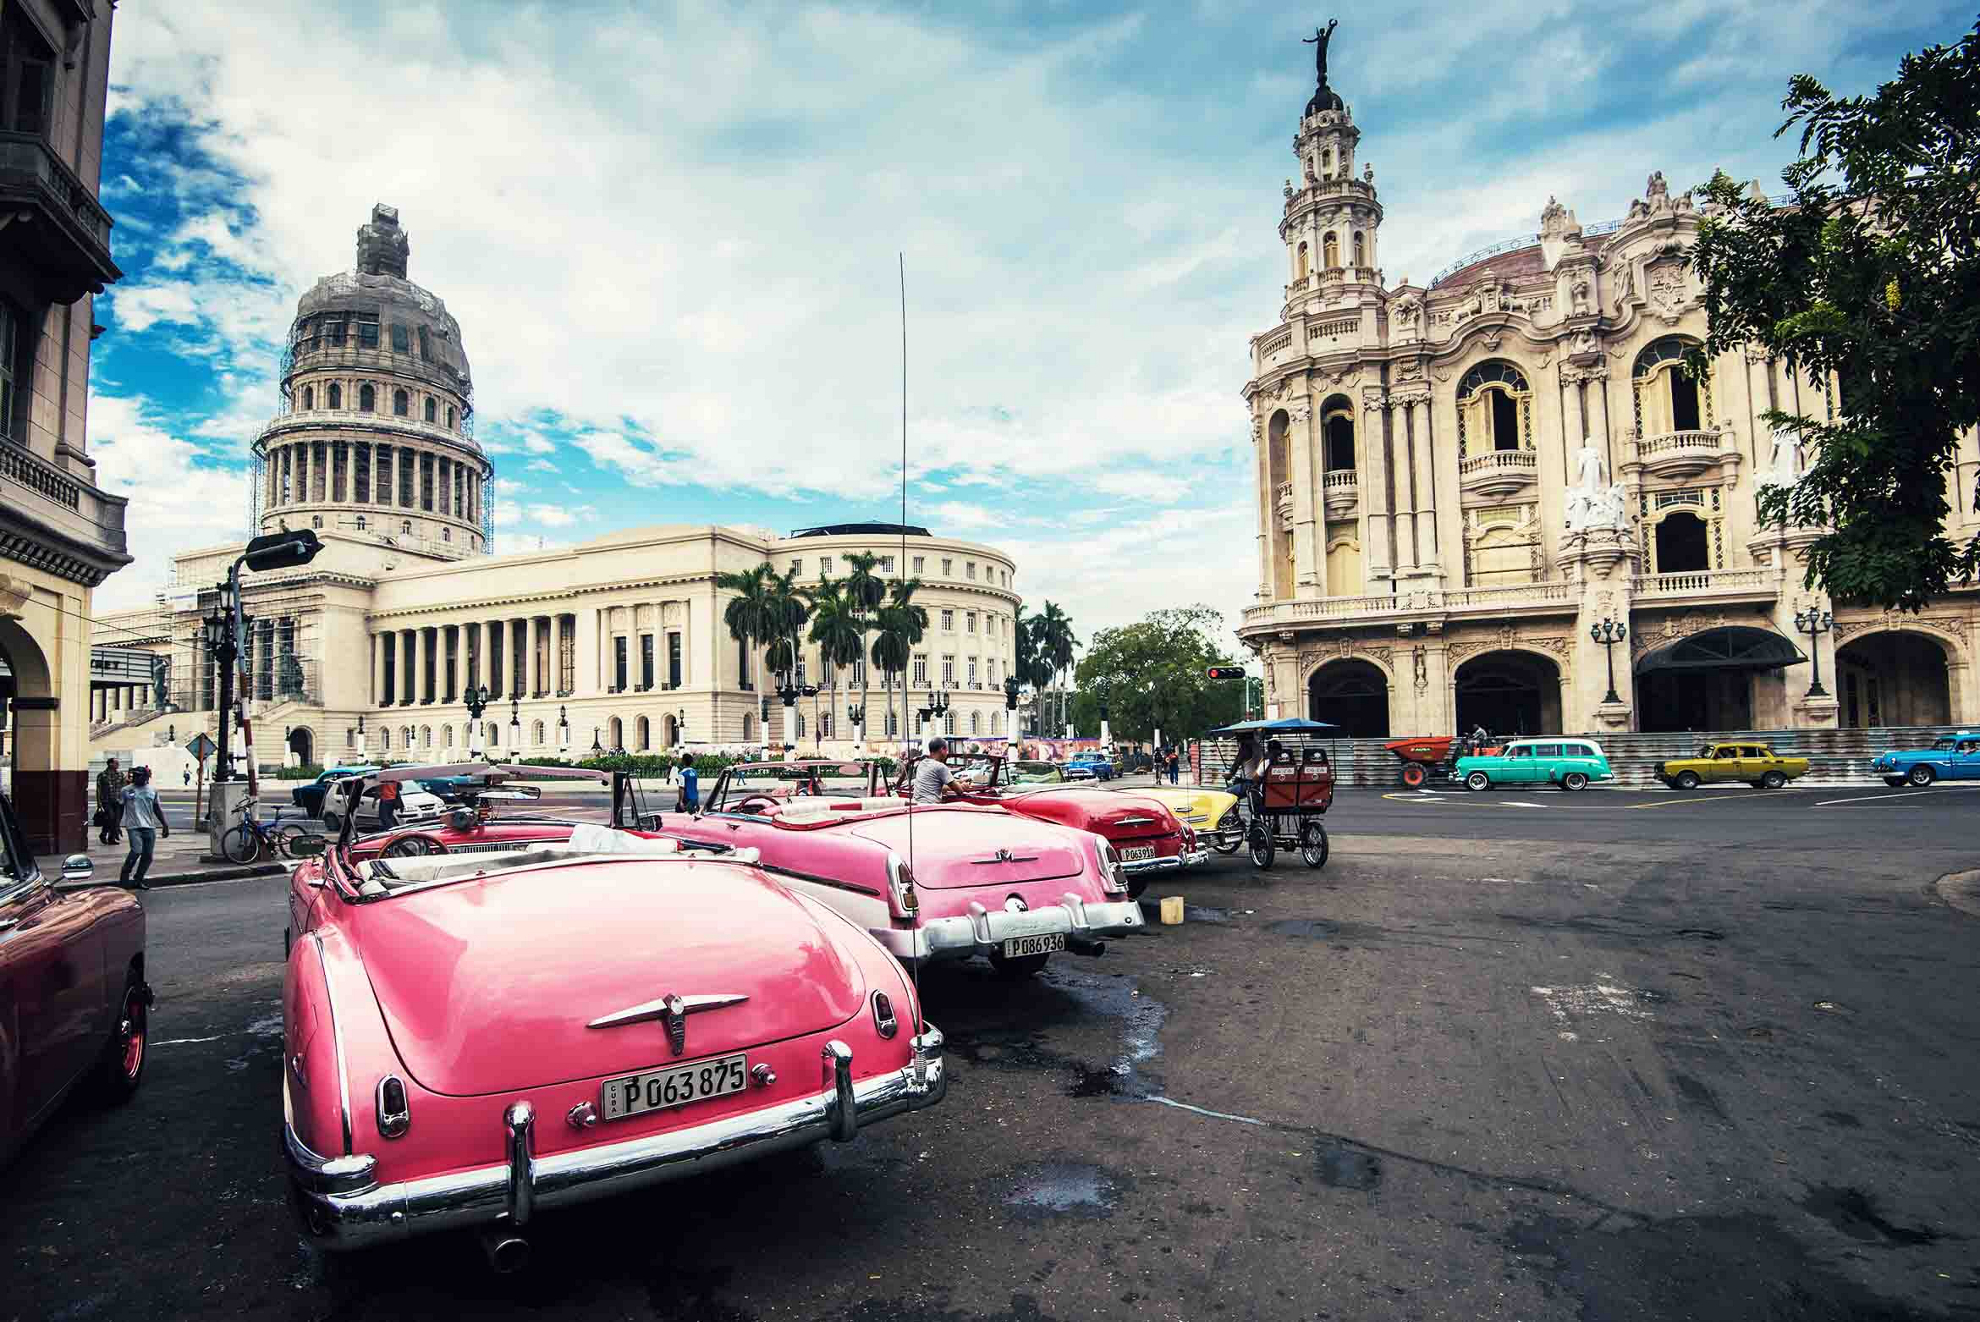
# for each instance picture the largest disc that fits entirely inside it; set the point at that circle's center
(248, 840)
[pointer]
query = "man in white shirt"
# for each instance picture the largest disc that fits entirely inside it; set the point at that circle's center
(932, 775)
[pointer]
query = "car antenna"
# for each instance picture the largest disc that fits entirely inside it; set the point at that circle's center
(914, 967)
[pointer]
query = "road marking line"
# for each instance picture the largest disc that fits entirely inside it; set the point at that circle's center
(1721, 797)
(185, 1041)
(1888, 796)
(1519, 803)
(1409, 798)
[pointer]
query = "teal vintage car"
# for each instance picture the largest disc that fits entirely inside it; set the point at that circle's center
(1951, 757)
(1571, 763)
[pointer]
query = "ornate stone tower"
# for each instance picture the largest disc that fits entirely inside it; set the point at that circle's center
(1331, 215)
(376, 434)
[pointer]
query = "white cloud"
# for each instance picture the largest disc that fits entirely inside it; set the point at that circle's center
(175, 489)
(556, 516)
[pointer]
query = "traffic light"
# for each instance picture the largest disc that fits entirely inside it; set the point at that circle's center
(1226, 672)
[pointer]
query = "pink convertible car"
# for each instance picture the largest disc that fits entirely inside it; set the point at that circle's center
(930, 883)
(474, 1038)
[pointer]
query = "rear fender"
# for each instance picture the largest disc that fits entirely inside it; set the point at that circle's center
(344, 1047)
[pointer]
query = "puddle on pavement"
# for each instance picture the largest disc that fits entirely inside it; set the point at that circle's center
(1064, 1188)
(1318, 929)
(1701, 933)
(1855, 1214)
(1342, 1167)
(1193, 913)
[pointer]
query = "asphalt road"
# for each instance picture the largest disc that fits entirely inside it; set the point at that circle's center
(1603, 1056)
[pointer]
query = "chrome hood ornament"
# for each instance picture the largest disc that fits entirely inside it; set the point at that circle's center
(671, 1009)
(1004, 856)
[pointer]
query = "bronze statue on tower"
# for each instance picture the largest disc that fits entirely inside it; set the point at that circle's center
(1324, 97)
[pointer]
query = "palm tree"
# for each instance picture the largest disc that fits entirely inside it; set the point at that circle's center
(1055, 643)
(901, 625)
(788, 610)
(865, 590)
(749, 615)
(838, 627)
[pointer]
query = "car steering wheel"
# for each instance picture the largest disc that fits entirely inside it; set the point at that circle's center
(414, 846)
(755, 803)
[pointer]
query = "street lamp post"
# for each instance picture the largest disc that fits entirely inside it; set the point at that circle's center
(1010, 708)
(1815, 622)
(563, 731)
(515, 728)
(1609, 632)
(477, 703)
(937, 708)
(217, 635)
(597, 749)
(363, 748)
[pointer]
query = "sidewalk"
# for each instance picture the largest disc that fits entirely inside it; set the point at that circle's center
(177, 861)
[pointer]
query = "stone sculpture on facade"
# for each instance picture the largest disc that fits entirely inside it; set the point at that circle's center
(1593, 504)
(1784, 468)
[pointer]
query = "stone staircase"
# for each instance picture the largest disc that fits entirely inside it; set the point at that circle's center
(1833, 755)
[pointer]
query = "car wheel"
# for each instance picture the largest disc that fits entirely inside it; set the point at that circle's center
(1478, 780)
(1773, 780)
(1686, 780)
(1137, 883)
(1313, 847)
(1895, 782)
(1574, 780)
(1017, 966)
(1922, 775)
(1263, 847)
(413, 846)
(121, 1067)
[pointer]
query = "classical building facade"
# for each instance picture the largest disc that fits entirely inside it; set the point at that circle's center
(618, 642)
(60, 535)
(1460, 482)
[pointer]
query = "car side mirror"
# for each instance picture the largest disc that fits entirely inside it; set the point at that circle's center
(308, 846)
(77, 867)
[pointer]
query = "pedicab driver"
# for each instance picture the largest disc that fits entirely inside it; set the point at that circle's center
(933, 780)
(1247, 768)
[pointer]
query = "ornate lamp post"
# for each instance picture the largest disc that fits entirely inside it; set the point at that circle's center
(216, 634)
(1815, 622)
(1608, 633)
(476, 701)
(937, 708)
(515, 728)
(363, 748)
(563, 731)
(597, 749)
(1011, 687)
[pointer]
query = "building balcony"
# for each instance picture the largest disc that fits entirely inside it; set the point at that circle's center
(1403, 607)
(1687, 453)
(1707, 584)
(1497, 474)
(59, 231)
(1340, 489)
(52, 521)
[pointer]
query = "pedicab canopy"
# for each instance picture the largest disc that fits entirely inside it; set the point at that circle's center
(1282, 726)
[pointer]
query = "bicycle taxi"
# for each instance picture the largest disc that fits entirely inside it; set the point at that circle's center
(1293, 791)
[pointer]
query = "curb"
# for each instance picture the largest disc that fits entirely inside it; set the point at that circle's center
(157, 880)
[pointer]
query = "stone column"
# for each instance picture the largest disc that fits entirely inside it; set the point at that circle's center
(1268, 506)
(533, 663)
(381, 474)
(1377, 498)
(1574, 417)
(1309, 536)
(1417, 418)
(423, 651)
(587, 652)
(377, 670)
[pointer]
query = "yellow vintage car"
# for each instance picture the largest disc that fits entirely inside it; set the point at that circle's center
(1212, 814)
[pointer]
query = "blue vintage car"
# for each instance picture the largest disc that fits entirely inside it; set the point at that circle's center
(1953, 757)
(1097, 765)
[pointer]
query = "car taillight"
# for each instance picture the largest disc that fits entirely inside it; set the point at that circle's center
(1112, 876)
(394, 1110)
(900, 887)
(883, 1015)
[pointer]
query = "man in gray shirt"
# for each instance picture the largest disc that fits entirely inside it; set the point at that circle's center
(932, 775)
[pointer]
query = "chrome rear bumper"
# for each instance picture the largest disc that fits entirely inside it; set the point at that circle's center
(984, 931)
(1186, 859)
(342, 1206)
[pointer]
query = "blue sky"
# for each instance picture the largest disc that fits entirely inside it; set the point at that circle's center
(670, 233)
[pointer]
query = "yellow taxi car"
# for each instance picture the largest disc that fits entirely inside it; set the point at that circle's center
(1212, 814)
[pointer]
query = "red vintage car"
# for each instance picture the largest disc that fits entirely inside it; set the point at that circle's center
(472, 1039)
(1147, 835)
(929, 883)
(74, 1004)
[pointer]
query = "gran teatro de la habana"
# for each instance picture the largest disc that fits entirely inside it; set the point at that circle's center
(1482, 497)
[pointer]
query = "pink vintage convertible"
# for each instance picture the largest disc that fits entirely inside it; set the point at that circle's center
(471, 1039)
(936, 882)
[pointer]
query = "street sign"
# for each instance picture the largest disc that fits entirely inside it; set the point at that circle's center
(200, 746)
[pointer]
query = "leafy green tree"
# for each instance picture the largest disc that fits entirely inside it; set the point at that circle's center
(867, 590)
(1154, 675)
(901, 624)
(1871, 278)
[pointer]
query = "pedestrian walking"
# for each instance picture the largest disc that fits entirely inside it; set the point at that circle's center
(1175, 766)
(109, 802)
(144, 818)
(388, 805)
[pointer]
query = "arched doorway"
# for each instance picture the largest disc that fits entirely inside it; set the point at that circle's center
(303, 745)
(643, 733)
(1893, 677)
(52, 805)
(670, 731)
(615, 735)
(1705, 680)
(1509, 693)
(1683, 544)
(1353, 694)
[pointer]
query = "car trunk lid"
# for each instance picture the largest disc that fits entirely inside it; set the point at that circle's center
(962, 847)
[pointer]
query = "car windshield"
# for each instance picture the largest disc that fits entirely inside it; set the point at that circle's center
(1942, 746)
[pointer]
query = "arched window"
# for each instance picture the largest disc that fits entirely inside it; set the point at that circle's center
(1327, 164)
(536, 733)
(385, 738)
(401, 403)
(949, 721)
(1337, 434)
(406, 737)
(431, 409)
(1299, 271)
(336, 396)
(491, 734)
(367, 398)
(1330, 252)
(446, 534)
(1667, 399)
(1495, 410)
(426, 736)
(747, 720)
(976, 722)
(446, 736)
(309, 397)
(360, 523)
(450, 417)
(422, 343)
(316, 521)
(643, 733)
(800, 725)
(405, 527)
(1360, 249)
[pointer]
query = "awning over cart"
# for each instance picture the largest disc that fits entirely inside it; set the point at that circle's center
(1729, 647)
